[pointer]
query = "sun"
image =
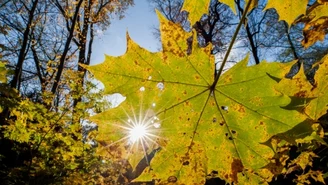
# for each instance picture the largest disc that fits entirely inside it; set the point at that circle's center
(140, 129)
(137, 132)
(140, 132)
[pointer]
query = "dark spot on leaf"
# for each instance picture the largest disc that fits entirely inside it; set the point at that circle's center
(188, 119)
(236, 167)
(230, 138)
(261, 123)
(184, 133)
(185, 163)
(314, 86)
(224, 108)
(172, 179)
(226, 134)
(301, 94)
(232, 131)
(102, 143)
(222, 123)
(241, 109)
(214, 120)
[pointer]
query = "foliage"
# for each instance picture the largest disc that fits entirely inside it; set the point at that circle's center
(45, 98)
(288, 10)
(3, 72)
(316, 22)
(240, 124)
(45, 146)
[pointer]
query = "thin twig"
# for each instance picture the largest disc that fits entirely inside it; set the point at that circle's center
(231, 44)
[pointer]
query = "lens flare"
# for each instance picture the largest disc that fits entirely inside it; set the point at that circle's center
(138, 132)
(142, 129)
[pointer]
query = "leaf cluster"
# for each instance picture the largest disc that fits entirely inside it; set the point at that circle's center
(43, 146)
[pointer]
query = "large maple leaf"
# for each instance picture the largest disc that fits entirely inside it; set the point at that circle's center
(205, 124)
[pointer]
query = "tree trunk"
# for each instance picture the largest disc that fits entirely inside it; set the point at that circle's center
(22, 53)
(83, 36)
(66, 48)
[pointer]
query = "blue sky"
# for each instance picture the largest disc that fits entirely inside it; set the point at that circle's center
(140, 21)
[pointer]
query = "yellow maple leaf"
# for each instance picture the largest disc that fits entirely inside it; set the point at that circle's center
(288, 10)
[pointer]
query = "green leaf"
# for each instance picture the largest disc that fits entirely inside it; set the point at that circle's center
(203, 127)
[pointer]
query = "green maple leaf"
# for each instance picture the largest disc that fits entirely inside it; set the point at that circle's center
(205, 124)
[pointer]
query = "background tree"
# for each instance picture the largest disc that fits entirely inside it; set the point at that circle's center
(261, 32)
(43, 138)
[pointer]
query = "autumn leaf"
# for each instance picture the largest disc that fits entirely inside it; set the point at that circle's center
(3, 72)
(201, 126)
(288, 10)
(200, 7)
(197, 7)
(316, 23)
(231, 4)
(300, 87)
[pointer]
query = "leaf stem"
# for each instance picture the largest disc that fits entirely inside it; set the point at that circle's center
(231, 44)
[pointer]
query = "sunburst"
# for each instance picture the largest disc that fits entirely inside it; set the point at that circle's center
(142, 129)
